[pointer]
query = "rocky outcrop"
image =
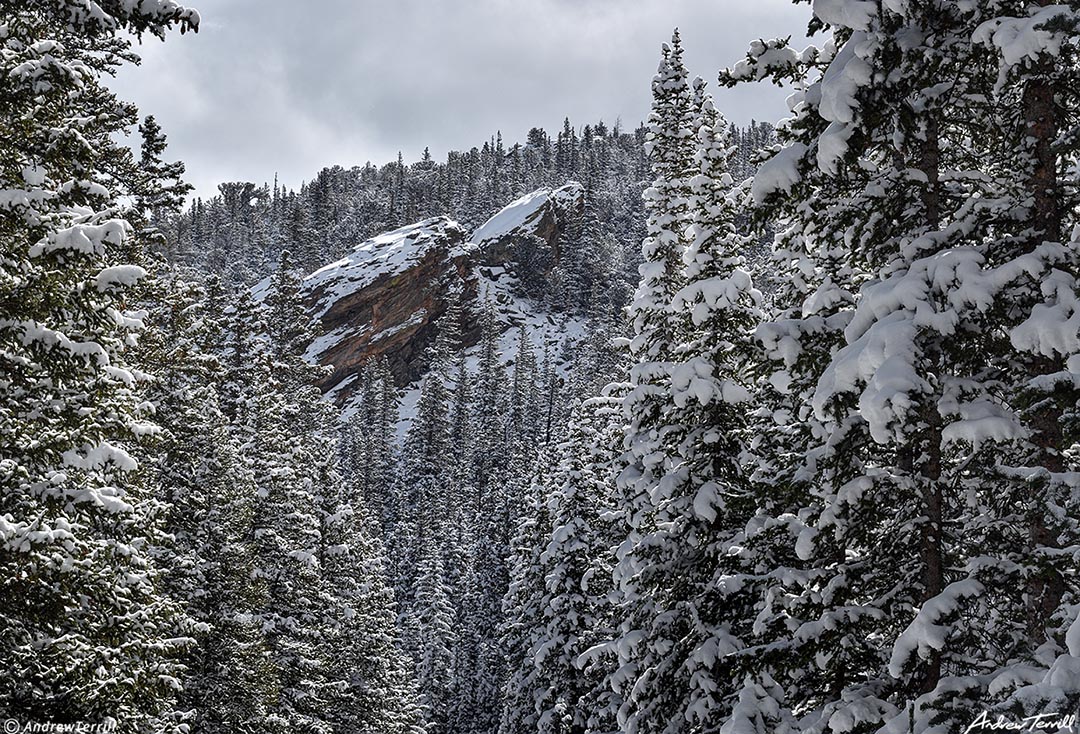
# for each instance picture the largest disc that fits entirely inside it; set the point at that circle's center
(385, 298)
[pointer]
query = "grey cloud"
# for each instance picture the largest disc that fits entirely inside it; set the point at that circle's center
(282, 86)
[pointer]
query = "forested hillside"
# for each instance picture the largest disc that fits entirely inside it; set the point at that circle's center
(514, 326)
(241, 232)
(692, 428)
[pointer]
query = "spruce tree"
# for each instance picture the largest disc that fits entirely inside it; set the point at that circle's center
(228, 684)
(671, 147)
(521, 629)
(436, 638)
(681, 574)
(576, 595)
(912, 345)
(87, 636)
(369, 680)
(162, 190)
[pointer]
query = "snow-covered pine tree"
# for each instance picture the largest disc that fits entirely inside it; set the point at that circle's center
(480, 662)
(461, 510)
(461, 438)
(489, 417)
(374, 441)
(523, 400)
(243, 345)
(432, 505)
(369, 679)
(598, 261)
(413, 502)
(475, 688)
(520, 630)
(1030, 505)
(289, 332)
(924, 410)
(197, 470)
(843, 180)
(87, 637)
(505, 420)
(436, 631)
(812, 285)
(162, 190)
(419, 495)
(575, 595)
(670, 144)
(684, 579)
(286, 527)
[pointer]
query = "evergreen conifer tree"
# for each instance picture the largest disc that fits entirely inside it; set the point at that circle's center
(87, 637)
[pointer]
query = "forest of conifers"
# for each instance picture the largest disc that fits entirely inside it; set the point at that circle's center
(795, 448)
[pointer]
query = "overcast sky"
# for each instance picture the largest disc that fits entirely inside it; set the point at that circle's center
(290, 86)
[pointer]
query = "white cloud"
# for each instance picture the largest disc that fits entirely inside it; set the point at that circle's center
(280, 86)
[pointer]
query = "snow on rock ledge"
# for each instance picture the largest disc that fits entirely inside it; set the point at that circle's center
(528, 210)
(386, 255)
(385, 297)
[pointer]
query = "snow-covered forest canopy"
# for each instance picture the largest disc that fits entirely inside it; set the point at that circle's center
(685, 427)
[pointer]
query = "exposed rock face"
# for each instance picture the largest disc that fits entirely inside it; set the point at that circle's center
(385, 297)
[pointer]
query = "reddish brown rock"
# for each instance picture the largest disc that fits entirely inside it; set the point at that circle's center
(385, 297)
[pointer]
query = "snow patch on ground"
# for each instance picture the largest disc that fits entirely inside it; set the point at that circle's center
(497, 288)
(323, 342)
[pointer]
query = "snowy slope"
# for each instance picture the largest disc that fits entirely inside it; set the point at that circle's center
(551, 334)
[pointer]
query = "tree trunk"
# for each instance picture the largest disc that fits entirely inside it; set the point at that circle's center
(1046, 588)
(920, 459)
